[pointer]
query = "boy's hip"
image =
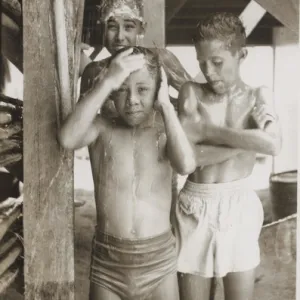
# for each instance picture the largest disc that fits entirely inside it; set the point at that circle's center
(220, 207)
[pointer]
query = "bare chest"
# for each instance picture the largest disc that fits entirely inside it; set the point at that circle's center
(127, 151)
(230, 112)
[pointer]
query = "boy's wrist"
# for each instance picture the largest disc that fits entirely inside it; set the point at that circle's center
(212, 132)
(107, 84)
(166, 107)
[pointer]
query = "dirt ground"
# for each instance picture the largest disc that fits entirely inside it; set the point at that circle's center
(276, 276)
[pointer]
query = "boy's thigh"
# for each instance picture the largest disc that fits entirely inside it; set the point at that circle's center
(239, 285)
(167, 289)
(193, 287)
(100, 293)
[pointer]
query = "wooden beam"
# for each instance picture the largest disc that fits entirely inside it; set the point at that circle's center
(172, 7)
(251, 16)
(154, 13)
(192, 25)
(179, 36)
(48, 188)
(287, 11)
(199, 12)
(200, 15)
(216, 3)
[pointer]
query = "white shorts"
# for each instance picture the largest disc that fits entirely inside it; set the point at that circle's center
(217, 228)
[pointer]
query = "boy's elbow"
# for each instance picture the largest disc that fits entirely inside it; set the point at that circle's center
(276, 147)
(187, 167)
(65, 141)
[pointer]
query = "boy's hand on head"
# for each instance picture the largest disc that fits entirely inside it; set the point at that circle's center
(262, 116)
(163, 97)
(122, 66)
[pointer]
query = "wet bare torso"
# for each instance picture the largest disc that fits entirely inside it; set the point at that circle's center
(225, 111)
(132, 178)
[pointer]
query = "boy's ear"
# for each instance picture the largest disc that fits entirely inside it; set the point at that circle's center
(243, 54)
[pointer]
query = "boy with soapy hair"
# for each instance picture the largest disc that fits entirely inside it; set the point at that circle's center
(132, 158)
(218, 215)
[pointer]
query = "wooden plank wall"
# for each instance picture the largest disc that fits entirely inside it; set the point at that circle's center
(48, 170)
(154, 12)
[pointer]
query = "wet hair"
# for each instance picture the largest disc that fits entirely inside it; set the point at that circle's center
(108, 6)
(152, 62)
(223, 26)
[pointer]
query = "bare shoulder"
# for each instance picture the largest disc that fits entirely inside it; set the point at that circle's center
(264, 96)
(191, 87)
(189, 97)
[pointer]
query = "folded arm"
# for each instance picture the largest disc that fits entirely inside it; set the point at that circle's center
(210, 154)
(206, 153)
(265, 140)
(262, 141)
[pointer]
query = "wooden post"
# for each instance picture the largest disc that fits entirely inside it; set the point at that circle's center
(48, 170)
(154, 13)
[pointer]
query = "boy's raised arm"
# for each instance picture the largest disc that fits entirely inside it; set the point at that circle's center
(176, 73)
(84, 124)
(207, 155)
(179, 149)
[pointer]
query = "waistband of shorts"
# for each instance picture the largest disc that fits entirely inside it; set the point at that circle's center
(158, 240)
(200, 188)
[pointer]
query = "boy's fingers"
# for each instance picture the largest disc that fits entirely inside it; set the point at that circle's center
(132, 58)
(125, 52)
(135, 65)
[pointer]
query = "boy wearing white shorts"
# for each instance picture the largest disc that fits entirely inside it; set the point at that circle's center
(218, 216)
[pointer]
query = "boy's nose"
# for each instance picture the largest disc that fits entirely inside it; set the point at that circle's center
(121, 35)
(132, 100)
(208, 70)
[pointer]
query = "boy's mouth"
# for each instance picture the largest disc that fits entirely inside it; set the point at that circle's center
(133, 112)
(119, 46)
(215, 83)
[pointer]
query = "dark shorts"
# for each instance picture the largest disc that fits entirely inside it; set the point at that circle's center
(129, 268)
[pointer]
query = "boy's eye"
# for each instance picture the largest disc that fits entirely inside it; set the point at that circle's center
(122, 89)
(112, 27)
(129, 27)
(112, 24)
(217, 62)
(142, 90)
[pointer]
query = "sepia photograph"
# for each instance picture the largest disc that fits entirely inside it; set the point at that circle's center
(148, 149)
